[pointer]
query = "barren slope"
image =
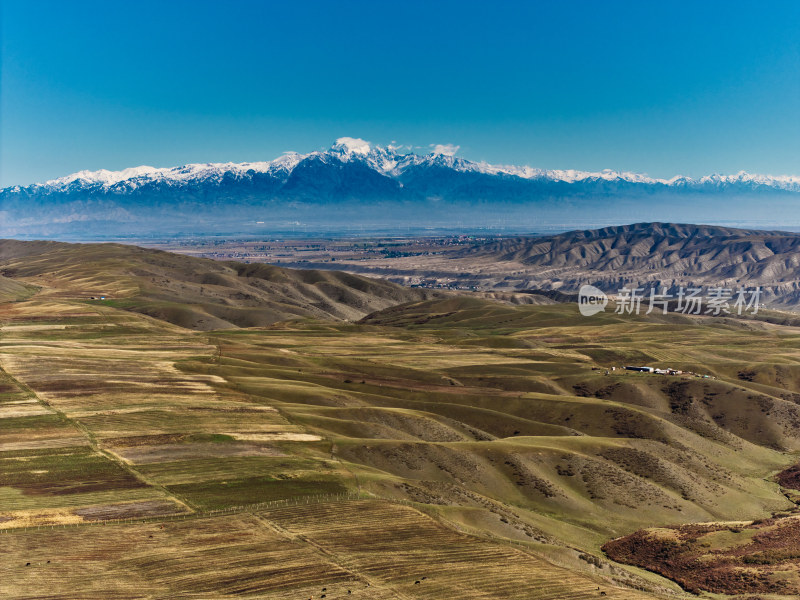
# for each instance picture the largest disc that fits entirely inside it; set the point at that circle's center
(661, 253)
(645, 254)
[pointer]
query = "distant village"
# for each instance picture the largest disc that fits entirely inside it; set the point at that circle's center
(655, 371)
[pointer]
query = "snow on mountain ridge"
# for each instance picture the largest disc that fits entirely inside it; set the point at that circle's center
(184, 173)
(389, 162)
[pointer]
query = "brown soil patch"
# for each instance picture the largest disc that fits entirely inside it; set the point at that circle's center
(44, 443)
(62, 488)
(765, 560)
(130, 510)
(142, 455)
(144, 440)
(790, 478)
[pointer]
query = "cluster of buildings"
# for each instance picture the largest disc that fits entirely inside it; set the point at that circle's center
(661, 371)
(652, 370)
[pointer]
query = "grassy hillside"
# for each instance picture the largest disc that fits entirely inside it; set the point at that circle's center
(469, 445)
(191, 292)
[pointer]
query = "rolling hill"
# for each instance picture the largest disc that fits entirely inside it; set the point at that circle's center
(434, 446)
(191, 292)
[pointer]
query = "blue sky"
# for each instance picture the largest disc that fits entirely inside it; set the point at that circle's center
(656, 87)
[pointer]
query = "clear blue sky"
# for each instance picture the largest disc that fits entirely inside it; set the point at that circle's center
(656, 87)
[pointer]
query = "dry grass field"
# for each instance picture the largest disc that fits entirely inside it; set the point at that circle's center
(351, 549)
(492, 449)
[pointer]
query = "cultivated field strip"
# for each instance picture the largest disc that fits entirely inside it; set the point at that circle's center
(398, 546)
(364, 549)
(100, 421)
(206, 558)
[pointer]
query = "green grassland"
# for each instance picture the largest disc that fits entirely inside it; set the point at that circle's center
(492, 449)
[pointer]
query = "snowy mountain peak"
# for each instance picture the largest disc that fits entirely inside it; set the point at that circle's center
(445, 149)
(348, 145)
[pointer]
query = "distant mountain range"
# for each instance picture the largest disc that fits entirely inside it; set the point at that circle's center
(648, 255)
(355, 185)
(659, 255)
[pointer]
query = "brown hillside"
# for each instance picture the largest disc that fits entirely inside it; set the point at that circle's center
(192, 292)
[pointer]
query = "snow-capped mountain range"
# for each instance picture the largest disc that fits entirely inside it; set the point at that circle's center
(384, 160)
(355, 184)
